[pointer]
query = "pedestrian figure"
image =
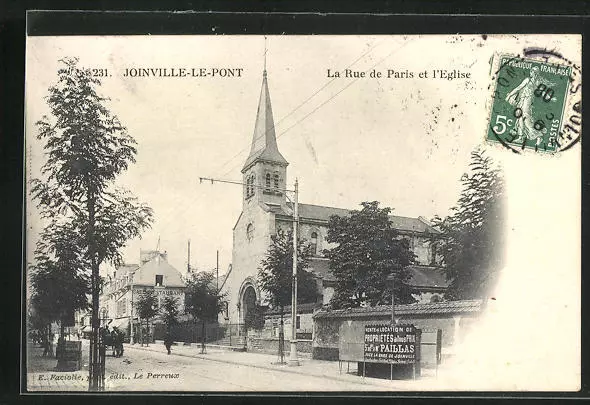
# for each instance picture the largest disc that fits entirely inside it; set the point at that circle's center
(168, 341)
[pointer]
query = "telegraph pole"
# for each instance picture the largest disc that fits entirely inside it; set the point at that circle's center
(217, 271)
(293, 360)
(188, 260)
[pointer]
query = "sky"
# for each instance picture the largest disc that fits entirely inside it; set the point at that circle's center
(402, 141)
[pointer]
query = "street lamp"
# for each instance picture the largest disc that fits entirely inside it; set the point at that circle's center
(391, 278)
(293, 360)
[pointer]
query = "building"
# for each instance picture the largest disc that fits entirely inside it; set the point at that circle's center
(265, 208)
(124, 286)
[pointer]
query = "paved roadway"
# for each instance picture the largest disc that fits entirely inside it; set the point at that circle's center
(195, 374)
(142, 370)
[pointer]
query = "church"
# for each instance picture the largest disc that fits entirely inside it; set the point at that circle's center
(266, 208)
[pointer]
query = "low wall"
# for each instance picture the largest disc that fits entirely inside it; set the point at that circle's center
(454, 318)
(271, 345)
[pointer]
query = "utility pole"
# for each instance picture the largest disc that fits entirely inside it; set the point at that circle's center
(188, 260)
(217, 272)
(131, 338)
(293, 360)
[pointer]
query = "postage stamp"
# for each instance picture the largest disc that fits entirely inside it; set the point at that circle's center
(528, 104)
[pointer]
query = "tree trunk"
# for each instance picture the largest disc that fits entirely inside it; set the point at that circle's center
(282, 338)
(94, 365)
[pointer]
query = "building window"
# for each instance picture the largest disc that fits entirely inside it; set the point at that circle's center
(267, 182)
(250, 189)
(314, 243)
(159, 280)
(250, 232)
(298, 322)
(276, 180)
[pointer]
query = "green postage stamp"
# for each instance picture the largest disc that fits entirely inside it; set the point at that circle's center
(528, 104)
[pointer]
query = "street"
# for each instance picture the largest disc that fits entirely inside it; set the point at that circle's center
(151, 369)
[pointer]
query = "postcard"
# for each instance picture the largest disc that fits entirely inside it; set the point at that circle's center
(237, 213)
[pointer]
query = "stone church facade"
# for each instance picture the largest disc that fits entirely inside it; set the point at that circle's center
(265, 208)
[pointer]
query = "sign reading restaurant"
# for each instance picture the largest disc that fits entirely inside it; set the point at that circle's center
(391, 344)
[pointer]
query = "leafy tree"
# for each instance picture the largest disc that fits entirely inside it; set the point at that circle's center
(202, 300)
(169, 313)
(254, 319)
(86, 149)
(146, 307)
(368, 250)
(472, 245)
(275, 274)
(58, 277)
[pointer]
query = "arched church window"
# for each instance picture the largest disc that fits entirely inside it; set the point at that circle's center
(250, 232)
(267, 181)
(276, 179)
(314, 243)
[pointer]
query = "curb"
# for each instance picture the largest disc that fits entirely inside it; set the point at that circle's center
(291, 371)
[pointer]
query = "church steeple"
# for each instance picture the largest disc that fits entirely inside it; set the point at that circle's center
(264, 141)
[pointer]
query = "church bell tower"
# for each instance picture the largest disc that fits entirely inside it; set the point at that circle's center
(265, 170)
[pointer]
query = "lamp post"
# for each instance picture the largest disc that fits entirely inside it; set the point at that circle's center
(293, 360)
(391, 278)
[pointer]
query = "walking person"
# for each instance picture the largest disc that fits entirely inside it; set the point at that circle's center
(168, 341)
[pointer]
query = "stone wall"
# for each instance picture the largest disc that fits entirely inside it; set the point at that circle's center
(270, 345)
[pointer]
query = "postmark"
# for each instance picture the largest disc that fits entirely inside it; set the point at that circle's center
(529, 101)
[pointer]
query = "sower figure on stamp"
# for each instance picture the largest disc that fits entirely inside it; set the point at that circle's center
(522, 98)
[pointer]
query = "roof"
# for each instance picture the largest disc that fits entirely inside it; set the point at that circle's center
(427, 276)
(323, 213)
(264, 140)
(443, 307)
(146, 273)
(421, 276)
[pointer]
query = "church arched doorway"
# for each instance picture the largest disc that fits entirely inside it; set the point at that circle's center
(248, 301)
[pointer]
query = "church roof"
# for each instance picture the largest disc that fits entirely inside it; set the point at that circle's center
(323, 213)
(422, 277)
(264, 140)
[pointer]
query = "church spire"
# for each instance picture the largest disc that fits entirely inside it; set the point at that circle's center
(264, 140)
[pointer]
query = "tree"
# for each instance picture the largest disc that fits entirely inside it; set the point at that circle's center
(169, 312)
(275, 274)
(59, 279)
(87, 148)
(368, 250)
(147, 308)
(472, 244)
(202, 300)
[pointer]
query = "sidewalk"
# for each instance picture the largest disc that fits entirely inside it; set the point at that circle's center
(41, 374)
(308, 367)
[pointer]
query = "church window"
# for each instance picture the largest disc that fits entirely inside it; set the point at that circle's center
(250, 232)
(250, 189)
(276, 179)
(314, 243)
(267, 181)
